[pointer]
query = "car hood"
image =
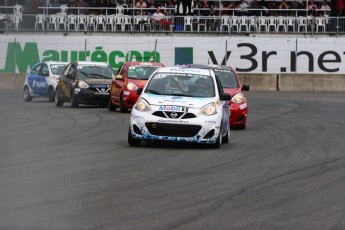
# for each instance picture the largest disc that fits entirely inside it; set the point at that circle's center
(232, 91)
(192, 102)
(139, 83)
(98, 81)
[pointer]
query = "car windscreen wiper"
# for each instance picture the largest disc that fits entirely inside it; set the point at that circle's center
(178, 94)
(153, 91)
(99, 75)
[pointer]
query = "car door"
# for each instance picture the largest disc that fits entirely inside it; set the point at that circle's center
(37, 81)
(118, 84)
(225, 108)
(67, 80)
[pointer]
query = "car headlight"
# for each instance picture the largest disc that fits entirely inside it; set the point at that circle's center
(209, 109)
(142, 105)
(238, 98)
(132, 86)
(82, 84)
(55, 78)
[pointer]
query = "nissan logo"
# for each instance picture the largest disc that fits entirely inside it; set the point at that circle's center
(173, 115)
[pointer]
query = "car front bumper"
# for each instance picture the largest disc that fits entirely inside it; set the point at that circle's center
(238, 113)
(201, 129)
(90, 97)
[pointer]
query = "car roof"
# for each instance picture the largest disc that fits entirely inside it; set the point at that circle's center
(145, 63)
(176, 69)
(56, 62)
(212, 66)
(91, 63)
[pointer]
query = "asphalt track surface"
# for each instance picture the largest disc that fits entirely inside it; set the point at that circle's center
(72, 169)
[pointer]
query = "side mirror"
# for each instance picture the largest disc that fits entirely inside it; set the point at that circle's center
(245, 87)
(139, 91)
(225, 97)
(119, 77)
(46, 74)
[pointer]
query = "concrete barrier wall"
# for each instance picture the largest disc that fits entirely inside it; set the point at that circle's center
(259, 82)
(256, 82)
(12, 81)
(317, 82)
(294, 82)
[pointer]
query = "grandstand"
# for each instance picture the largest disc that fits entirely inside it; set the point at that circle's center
(219, 18)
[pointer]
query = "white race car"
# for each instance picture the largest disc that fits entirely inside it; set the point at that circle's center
(180, 104)
(42, 79)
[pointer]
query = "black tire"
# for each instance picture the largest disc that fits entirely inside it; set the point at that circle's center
(226, 138)
(239, 127)
(123, 109)
(218, 142)
(111, 106)
(51, 94)
(57, 98)
(242, 127)
(74, 100)
(131, 141)
(26, 94)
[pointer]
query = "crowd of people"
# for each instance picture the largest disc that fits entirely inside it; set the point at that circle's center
(197, 7)
(210, 7)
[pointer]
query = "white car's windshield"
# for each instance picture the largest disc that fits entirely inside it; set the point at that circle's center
(57, 69)
(180, 84)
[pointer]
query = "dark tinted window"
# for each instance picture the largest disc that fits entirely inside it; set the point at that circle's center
(227, 78)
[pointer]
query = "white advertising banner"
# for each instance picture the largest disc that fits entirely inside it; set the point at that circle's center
(18, 53)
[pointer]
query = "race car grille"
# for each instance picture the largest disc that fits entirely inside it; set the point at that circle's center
(174, 115)
(100, 88)
(172, 130)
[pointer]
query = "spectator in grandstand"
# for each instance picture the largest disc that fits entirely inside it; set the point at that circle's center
(293, 5)
(213, 22)
(152, 5)
(102, 4)
(312, 4)
(55, 3)
(228, 8)
(7, 10)
(339, 7)
(265, 6)
(186, 7)
(255, 5)
(274, 9)
(141, 4)
(92, 7)
(242, 8)
(112, 5)
(204, 8)
(72, 3)
(301, 6)
(167, 20)
(171, 6)
(325, 6)
(283, 6)
(156, 18)
(56, 6)
(81, 3)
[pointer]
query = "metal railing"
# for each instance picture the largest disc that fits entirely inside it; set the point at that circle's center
(129, 22)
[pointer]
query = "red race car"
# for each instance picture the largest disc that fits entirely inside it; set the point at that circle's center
(232, 85)
(129, 77)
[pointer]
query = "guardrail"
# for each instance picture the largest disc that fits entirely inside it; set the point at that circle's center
(123, 20)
